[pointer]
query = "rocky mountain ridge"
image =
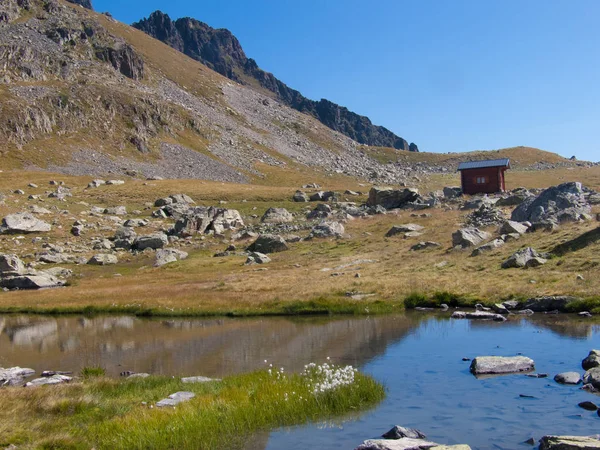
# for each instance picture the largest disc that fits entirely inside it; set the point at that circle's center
(220, 50)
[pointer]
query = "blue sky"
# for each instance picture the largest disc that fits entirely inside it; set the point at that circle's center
(450, 75)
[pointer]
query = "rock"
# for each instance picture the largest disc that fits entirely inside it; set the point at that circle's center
(116, 211)
(496, 243)
(96, 183)
(11, 264)
(512, 227)
(478, 315)
(511, 304)
(562, 203)
(198, 379)
(54, 379)
(396, 444)
(175, 198)
(399, 229)
(124, 238)
(424, 245)
(321, 196)
(244, 235)
(35, 280)
(77, 230)
(525, 258)
(326, 230)
(176, 399)
(138, 375)
(23, 223)
(485, 216)
(547, 303)
(451, 192)
(300, 197)
(115, 182)
(132, 223)
(469, 237)
(399, 432)
(14, 375)
(168, 255)
(569, 443)
(584, 314)
(592, 376)
(483, 365)
(277, 215)
(153, 241)
(568, 378)
(268, 243)
(257, 258)
(322, 211)
(588, 406)
(516, 197)
(592, 360)
(201, 220)
(103, 260)
(391, 198)
(352, 193)
(500, 308)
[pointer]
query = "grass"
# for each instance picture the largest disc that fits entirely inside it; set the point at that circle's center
(105, 413)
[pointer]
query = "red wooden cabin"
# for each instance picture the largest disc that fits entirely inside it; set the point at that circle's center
(483, 177)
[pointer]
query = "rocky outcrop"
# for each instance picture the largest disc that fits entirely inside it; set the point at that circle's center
(222, 52)
(483, 365)
(569, 443)
(23, 223)
(85, 3)
(390, 198)
(204, 220)
(592, 360)
(124, 59)
(547, 303)
(525, 258)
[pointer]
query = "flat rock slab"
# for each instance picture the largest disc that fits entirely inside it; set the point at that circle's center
(568, 378)
(569, 443)
(198, 379)
(396, 444)
(175, 399)
(54, 379)
(14, 375)
(478, 315)
(492, 365)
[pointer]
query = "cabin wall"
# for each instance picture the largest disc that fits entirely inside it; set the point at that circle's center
(494, 180)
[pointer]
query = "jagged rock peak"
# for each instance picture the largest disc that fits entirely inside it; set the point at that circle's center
(85, 3)
(220, 50)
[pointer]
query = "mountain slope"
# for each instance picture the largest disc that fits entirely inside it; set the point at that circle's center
(221, 51)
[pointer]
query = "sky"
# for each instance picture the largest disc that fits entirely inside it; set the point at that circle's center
(449, 75)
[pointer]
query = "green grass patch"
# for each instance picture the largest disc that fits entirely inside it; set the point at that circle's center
(422, 300)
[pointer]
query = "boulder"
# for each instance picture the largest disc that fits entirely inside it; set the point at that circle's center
(592, 377)
(326, 230)
(568, 378)
(14, 375)
(485, 216)
(268, 243)
(23, 223)
(478, 315)
(469, 237)
(168, 255)
(103, 259)
(407, 228)
(496, 243)
(451, 192)
(569, 443)
(390, 198)
(54, 379)
(592, 360)
(588, 406)
(33, 280)
(424, 245)
(399, 432)
(321, 211)
(515, 197)
(396, 444)
(547, 303)
(321, 196)
(124, 238)
(528, 257)
(11, 264)
(257, 258)
(96, 183)
(562, 203)
(300, 197)
(175, 399)
(500, 308)
(153, 241)
(512, 227)
(132, 223)
(226, 219)
(483, 365)
(116, 211)
(277, 215)
(201, 220)
(198, 379)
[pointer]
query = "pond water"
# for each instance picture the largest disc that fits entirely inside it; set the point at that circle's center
(418, 357)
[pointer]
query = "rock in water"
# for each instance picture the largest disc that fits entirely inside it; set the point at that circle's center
(23, 223)
(483, 365)
(592, 377)
(396, 444)
(480, 315)
(592, 360)
(14, 375)
(547, 303)
(54, 379)
(569, 443)
(568, 378)
(399, 432)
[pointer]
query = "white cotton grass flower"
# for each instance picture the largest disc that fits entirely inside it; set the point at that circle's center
(327, 377)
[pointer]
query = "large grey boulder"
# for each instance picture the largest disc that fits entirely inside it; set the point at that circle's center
(592, 377)
(451, 192)
(406, 228)
(563, 203)
(257, 258)
(175, 399)
(14, 375)
(116, 211)
(124, 238)
(326, 230)
(152, 241)
(201, 220)
(568, 378)
(11, 264)
(396, 444)
(277, 215)
(496, 243)
(103, 259)
(570, 443)
(168, 255)
(23, 223)
(592, 360)
(512, 227)
(398, 432)
(515, 197)
(469, 237)
(528, 257)
(391, 198)
(33, 280)
(547, 303)
(321, 211)
(488, 365)
(54, 379)
(268, 243)
(300, 197)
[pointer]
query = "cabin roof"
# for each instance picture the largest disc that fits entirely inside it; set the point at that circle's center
(504, 162)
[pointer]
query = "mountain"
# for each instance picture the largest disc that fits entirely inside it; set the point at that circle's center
(85, 3)
(220, 50)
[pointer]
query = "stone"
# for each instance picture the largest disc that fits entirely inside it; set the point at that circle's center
(326, 230)
(14, 375)
(424, 245)
(152, 241)
(96, 183)
(103, 260)
(23, 223)
(511, 304)
(257, 258)
(547, 303)
(175, 399)
(132, 223)
(321, 196)
(168, 255)
(116, 211)
(451, 192)
(11, 264)
(592, 360)
(35, 280)
(322, 211)
(198, 379)
(390, 198)
(592, 376)
(500, 308)
(568, 378)
(515, 197)
(469, 237)
(484, 365)
(115, 182)
(496, 243)
(277, 215)
(201, 220)
(300, 197)
(569, 443)
(478, 315)
(526, 258)
(512, 227)
(77, 230)
(399, 432)
(396, 444)
(138, 375)
(124, 238)
(588, 406)
(54, 379)
(268, 243)
(399, 229)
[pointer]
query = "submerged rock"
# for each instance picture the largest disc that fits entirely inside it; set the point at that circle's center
(483, 365)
